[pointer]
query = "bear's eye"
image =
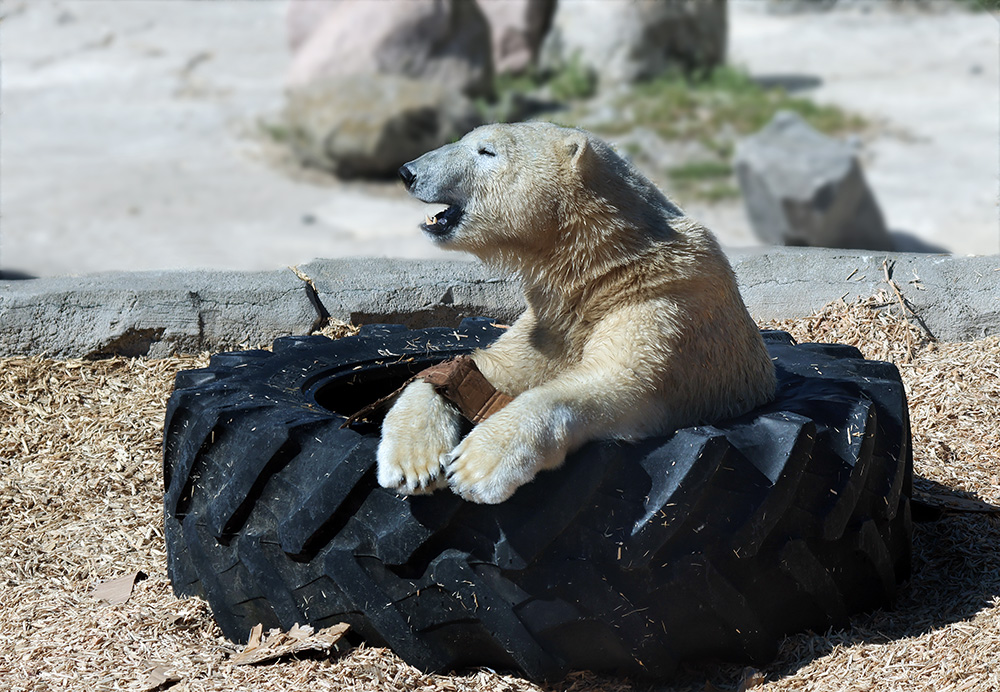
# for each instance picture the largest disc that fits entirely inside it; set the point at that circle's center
(486, 150)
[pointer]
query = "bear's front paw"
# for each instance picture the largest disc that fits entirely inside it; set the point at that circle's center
(418, 431)
(502, 454)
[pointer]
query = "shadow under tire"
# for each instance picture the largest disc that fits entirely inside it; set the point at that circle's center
(715, 541)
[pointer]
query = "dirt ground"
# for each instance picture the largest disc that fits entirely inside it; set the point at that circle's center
(80, 504)
(132, 133)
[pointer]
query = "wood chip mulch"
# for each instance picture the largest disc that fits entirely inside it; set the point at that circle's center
(80, 504)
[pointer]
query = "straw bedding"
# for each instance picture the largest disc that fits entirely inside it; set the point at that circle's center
(80, 493)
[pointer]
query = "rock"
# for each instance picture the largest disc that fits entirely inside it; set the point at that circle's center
(375, 84)
(371, 125)
(442, 41)
(301, 19)
(629, 40)
(801, 187)
(517, 28)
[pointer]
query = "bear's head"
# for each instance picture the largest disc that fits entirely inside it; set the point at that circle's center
(520, 189)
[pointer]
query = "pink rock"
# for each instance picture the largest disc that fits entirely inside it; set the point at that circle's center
(369, 126)
(302, 18)
(622, 41)
(446, 41)
(517, 28)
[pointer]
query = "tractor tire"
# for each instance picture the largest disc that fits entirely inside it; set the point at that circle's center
(715, 541)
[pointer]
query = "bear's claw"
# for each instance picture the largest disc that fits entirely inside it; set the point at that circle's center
(417, 431)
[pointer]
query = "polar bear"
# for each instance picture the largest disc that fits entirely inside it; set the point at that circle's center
(634, 325)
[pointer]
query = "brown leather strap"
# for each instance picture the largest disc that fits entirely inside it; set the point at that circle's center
(457, 380)
(460, 382)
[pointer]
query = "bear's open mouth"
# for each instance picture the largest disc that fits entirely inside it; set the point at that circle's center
(443, 222)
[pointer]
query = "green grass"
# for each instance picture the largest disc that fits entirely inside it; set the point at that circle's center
(724, 100)
(701, 170)
(986, 5)
(971, 5)
(715, 108)
(276, 131)
(710, 180)
(520, 83)
(573, 82)
(708, 107)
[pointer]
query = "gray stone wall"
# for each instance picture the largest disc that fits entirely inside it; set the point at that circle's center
(162, 313)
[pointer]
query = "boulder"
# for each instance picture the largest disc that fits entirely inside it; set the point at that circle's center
(801, 187)
(443, 41)
(301, 19)
(371, 125)
(629, 40)
(517, 28)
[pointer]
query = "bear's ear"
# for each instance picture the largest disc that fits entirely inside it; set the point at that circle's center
(577, 146)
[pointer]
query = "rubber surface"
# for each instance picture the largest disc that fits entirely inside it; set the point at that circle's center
(713, 542)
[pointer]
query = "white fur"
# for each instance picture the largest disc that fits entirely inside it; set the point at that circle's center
(417, 432)
(634, 325)
(507, 450)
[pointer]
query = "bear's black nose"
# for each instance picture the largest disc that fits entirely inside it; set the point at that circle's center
(407, 175)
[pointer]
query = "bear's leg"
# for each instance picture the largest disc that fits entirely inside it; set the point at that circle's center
(506, 451)
(608, 394)
(418, 430)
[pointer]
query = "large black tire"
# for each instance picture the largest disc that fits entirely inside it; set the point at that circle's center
(713, 542)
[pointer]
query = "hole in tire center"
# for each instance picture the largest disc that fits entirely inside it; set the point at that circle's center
(347, 393)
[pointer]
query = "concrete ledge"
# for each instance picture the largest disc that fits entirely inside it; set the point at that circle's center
(161, 313)
(957, 298)
(151, 313)
(418, 293)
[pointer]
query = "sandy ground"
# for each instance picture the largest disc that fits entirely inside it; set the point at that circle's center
(81, 503)
(131, 134)
(931, 85)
